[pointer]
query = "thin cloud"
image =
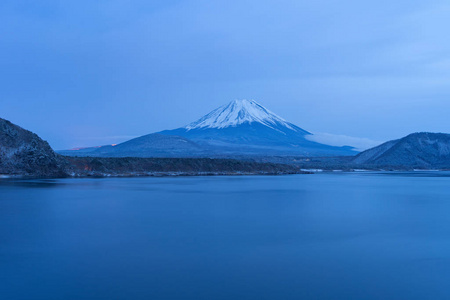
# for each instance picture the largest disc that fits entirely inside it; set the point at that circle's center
(360, 144)
(114, 137)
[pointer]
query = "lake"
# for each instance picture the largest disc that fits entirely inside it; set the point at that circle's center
(321, 236)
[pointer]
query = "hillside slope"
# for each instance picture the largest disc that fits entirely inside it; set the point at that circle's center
(421, 150)
(150, 145)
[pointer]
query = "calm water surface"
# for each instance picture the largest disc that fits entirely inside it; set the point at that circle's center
(323, 236)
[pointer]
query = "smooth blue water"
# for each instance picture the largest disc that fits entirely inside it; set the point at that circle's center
(323, 236)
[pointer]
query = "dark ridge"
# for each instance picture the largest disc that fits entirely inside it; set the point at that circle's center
(134, 166)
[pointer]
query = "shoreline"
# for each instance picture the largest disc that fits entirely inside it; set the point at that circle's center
(211, 174)
(154, 174)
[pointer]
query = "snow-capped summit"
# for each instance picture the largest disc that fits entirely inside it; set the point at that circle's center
(239, 112)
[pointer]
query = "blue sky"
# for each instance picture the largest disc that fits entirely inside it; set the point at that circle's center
(83, 73)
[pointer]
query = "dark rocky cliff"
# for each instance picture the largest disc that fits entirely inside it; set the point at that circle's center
(24, 153)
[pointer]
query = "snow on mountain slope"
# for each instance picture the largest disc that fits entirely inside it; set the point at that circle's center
(239, 112)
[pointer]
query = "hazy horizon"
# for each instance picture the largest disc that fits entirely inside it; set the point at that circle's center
(86, 74)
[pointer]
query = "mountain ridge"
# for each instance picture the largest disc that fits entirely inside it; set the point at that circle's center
(420, 149)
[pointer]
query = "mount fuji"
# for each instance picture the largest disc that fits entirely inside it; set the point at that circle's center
(240, 128)
(246, 127)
